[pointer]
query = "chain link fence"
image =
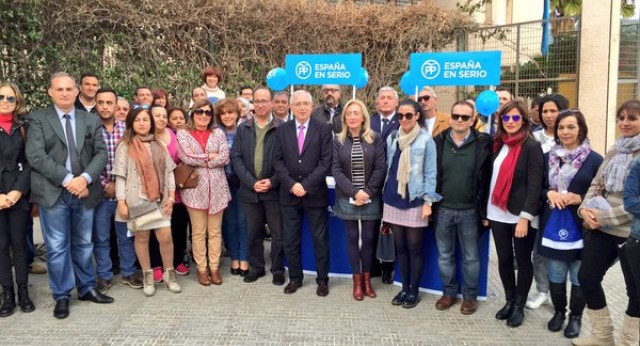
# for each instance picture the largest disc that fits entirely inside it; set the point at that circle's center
(628, 66)
(525, 71)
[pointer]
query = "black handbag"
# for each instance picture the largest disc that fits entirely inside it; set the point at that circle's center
(386, 251)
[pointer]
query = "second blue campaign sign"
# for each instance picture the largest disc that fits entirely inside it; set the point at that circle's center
(464, 68)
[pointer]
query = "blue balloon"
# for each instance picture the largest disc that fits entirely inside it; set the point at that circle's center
(364, 79)
(277, 79)
(408, 84)
(487, 102)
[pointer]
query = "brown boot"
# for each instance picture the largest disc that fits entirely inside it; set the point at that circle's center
(215, 277)
(357, 287)
(368, 290)
(203, 278)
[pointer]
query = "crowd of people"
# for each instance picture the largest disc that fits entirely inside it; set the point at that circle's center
(125, 187)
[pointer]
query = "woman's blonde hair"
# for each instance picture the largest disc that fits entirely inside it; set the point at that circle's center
(367, 133)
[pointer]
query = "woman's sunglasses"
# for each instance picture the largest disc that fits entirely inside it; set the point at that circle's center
(10, 99)
(515, 118)
(407, 116)
(206, 112)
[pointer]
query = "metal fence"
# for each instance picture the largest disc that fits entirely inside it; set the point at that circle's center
(525, 71)
(628, 65)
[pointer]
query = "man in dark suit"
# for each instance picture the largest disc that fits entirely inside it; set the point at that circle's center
(303, 160)
(67, 153)
(383, 122)
(330, 111)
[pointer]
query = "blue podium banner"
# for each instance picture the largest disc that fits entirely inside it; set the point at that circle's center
(464, 68)
(317, 69)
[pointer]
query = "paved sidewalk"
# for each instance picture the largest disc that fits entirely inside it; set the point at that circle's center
(237, 313)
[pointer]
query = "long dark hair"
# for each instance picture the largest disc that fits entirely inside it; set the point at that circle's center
(560, 101)
(526, 122)
(131, 117)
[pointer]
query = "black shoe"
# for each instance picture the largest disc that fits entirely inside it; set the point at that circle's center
(8, 302)
(410, 301)
(235, 271)
(556, 322)
(387, 277)
(62, 308)
(245, 272)
(95, 296)
(253, 275)
(278, 278)
(26, 305)
(517, 317)
(399, 298)
(573, 327)
(506, 311)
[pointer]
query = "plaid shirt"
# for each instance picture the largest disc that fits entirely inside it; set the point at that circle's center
(111, 139)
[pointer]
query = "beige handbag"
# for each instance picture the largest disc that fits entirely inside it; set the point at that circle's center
(145, 220)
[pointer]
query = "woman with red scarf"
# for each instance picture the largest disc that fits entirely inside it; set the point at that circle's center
(516, 184)
(15, 183)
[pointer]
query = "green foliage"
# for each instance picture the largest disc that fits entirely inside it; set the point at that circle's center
(130, 43)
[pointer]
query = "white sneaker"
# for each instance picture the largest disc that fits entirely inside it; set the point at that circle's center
(537, 299)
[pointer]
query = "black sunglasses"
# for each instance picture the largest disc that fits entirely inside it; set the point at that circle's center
(515, 118)
(424, 98)
(407, 116)
(207, 112)
(10, 99)
(457, 117)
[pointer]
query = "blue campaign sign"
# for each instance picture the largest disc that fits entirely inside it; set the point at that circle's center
(463, 68)
(316, 69)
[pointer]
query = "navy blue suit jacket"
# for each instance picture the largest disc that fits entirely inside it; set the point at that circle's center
(376, 125)
(309, 168)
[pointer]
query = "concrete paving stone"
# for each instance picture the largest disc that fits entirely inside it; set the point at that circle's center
(259, 313)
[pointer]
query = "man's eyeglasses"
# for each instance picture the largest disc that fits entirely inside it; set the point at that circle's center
(407, 116)
(10, 99)
(457, 117)
(206, 112)
(515, 118)
(326, 91)
(424, 98)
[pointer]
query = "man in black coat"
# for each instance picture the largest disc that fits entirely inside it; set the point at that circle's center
(330, 111)
(252, 158)
(303, 160)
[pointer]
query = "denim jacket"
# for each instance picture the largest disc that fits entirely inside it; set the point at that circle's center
(422, 179)
(631, 197)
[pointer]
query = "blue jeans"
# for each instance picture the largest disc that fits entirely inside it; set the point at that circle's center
(462, 224)
(557, 271)
(66, 227)
(103, 216)
(234, 229)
